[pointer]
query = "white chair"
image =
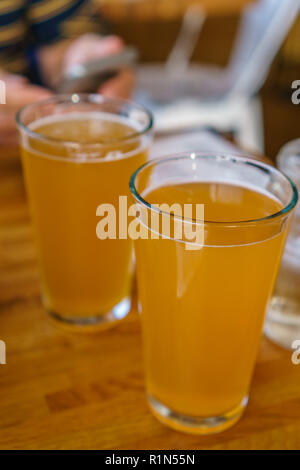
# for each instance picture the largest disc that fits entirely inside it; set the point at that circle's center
(226, 99)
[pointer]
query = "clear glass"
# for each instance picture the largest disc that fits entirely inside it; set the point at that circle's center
(203, 309)
(78, 151)
(283, 319)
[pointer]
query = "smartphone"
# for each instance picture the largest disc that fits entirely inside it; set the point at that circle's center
(88, 77)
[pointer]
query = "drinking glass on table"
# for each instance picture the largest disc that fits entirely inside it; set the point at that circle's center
(78, 151)
(203, 300)
(283, 319)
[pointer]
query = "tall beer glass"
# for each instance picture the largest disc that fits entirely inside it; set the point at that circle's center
(78, 152)
(203, 302)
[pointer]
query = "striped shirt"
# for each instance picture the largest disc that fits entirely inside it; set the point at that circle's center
(27, 24)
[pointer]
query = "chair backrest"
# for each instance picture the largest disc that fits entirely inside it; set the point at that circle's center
(263, 27)
(180, 55)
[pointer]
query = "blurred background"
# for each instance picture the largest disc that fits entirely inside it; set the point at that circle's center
(226, 65)
(258, 38)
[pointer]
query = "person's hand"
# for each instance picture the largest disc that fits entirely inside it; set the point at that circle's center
(89, 47)
(18, 93)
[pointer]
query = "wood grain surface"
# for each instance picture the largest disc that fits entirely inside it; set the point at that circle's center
(73, 391)
(167, 9)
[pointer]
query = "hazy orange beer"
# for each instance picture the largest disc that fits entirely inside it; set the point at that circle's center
(203, 309)
(78, 152)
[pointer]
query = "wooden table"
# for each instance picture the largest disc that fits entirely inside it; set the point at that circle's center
(167, 9)
(73, 391)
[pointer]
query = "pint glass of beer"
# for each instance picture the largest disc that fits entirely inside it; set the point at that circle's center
(78, 152)
(203, 300)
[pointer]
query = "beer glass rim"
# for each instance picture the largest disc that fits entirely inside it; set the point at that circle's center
(242, 159)
(88, 98)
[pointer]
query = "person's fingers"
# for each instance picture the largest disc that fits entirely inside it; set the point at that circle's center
(108, 45)
(91, 46)
(17, 97)
(13, 79)
(120, 86)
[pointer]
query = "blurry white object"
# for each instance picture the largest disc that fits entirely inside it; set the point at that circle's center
(182, 97)
(204, 140)
(283, 319)
(199, 141)
(185, 44)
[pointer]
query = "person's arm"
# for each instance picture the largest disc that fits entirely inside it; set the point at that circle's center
(19, 92)
(15, 87)
(56, 59)
(72, 36)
